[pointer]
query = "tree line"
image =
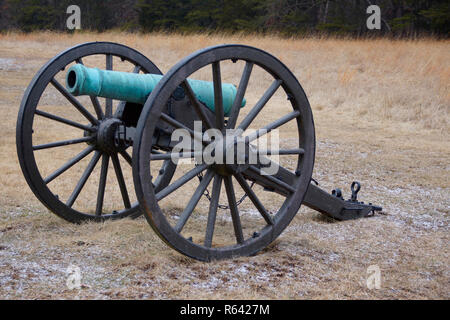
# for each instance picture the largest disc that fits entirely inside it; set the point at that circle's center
(285, 17)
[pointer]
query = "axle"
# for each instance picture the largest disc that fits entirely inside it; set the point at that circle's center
(133, 87)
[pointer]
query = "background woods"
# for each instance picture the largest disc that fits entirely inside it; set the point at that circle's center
(286, 17)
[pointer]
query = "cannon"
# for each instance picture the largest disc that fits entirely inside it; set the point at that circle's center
(127, 112)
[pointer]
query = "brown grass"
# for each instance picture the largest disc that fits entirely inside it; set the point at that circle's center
(381, 110)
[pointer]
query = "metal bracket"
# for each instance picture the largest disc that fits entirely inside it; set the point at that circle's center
(352, 207)
(334, 205)
(124, 136)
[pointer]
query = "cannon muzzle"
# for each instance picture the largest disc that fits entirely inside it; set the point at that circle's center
(133, 87)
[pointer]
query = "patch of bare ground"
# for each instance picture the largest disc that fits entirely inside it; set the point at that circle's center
(381, 110)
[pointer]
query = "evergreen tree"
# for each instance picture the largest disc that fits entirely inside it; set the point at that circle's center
(290, 17)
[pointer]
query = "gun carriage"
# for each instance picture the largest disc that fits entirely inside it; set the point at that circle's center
(150, 106)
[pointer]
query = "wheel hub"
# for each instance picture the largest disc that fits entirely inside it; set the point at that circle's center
(107, 137)
(236, 156)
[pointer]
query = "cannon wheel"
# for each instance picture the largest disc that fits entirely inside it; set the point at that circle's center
(240, 244)
(88, 135)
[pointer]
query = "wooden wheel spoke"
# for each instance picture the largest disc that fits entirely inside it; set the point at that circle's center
(69, 164)
(260, 104)
(234, 113)
(181, 181)
(273, 125)
(137, 69)
(175, 155)
(74, 101)
(198, 107)
(121, 181)
(63, 120)
(97, 107)
(174, 123)
(62, 143)
(119, 110)
(251, 194)
(194, 200)
(218, 99)
(282, 152)
(272, 181)
(127, 157)
(234, 209)
(109, 66)
(102, 185)
(86, 174)
(213, 206)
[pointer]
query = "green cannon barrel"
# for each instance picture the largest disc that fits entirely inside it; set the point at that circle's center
(133, 87)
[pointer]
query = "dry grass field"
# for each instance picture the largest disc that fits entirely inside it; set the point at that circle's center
(382, 116)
